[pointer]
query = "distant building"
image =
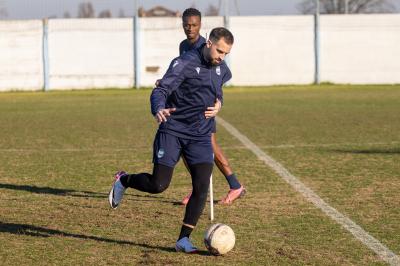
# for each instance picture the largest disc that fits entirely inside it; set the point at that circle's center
(158, 11)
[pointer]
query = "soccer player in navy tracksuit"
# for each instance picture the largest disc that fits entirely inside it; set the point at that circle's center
(191, 85)
(191, 21)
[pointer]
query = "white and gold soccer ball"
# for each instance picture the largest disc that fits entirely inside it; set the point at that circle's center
(219, 239)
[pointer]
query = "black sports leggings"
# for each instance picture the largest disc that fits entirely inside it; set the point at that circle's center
(161, 178)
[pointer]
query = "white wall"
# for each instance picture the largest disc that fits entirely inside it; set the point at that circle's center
(21, 64)
(98, 53)
(90, 53)
(363, 49)
(272, 50)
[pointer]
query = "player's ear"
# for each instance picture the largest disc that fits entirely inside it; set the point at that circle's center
(209, 43)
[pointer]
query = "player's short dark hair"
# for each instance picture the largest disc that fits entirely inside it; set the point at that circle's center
(221, 32)
(191, 12)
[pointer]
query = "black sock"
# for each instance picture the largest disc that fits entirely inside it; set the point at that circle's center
(233, 182)
(185, 232)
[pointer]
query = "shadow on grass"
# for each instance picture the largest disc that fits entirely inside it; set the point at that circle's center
(389, 151)
(84, 194)
(150, 197)
(36, 231)
(54, 191)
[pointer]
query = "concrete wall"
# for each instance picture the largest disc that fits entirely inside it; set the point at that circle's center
(363, 49)
(272, 50)
(21, 64)
(90, 53)
(98, 53)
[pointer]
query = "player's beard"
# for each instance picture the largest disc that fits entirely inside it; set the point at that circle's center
(207, 55)
(214, 61)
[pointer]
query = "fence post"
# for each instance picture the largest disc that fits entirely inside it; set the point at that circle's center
(136, 41)
(227, 26)
(45, 52)
(317, 44)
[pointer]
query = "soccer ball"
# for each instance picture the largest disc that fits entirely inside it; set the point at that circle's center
(219, 239)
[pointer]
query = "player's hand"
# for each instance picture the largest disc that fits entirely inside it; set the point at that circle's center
(162, 115)
(157, 82)
(213, 111)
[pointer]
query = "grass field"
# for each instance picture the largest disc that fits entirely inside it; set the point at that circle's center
(59, 150)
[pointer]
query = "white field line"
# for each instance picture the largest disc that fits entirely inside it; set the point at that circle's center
(381, 250)
(322, 145)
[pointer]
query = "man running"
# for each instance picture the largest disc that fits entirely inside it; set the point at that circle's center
(192, 83)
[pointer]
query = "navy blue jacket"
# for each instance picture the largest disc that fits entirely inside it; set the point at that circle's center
(185, 45)
(191, 84)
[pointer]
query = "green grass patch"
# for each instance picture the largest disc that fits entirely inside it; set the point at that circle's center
(59, 150)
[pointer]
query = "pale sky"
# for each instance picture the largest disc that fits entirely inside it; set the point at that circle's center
(34, 9)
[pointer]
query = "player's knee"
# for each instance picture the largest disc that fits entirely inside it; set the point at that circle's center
(201, 187)
(203, 184)
(161, 178)
(203, 195)
(219, 157)
(221, 162)
(200, 194)
(159, 188)
(216, 148)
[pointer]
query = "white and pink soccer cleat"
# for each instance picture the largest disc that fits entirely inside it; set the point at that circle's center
(117, 190)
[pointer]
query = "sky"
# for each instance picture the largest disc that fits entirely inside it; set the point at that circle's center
(34, 9)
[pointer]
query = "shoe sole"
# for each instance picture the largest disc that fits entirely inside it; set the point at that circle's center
(111, 196)
(181, 250)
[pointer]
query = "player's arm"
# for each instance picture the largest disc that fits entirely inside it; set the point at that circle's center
(180, 53)
(170, 82)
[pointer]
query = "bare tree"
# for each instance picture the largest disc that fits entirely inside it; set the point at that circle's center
(121, 13)
(86, 10)
(67, 14)
(105, 14)
(211, 10)
(353, 6)
(3, 10)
